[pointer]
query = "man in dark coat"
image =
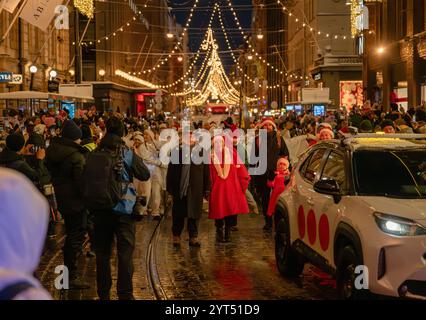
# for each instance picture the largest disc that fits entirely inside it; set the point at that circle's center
(111, 223)
(188, 184)
(66, 161)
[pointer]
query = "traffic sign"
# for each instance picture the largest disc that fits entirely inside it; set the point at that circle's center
(5, 77)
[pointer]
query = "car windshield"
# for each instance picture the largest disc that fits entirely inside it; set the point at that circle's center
(399, 174)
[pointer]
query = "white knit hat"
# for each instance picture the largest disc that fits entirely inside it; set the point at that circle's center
(265, 122)
(138, 136)
(39, 129)
(150, 133)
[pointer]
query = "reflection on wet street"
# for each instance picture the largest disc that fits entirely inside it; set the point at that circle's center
(243, 269)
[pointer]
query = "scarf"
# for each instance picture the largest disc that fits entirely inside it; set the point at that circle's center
(184, 179)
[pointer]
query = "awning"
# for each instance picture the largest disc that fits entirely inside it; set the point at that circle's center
(37, 95)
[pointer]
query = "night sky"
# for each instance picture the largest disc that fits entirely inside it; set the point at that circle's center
(201, 17)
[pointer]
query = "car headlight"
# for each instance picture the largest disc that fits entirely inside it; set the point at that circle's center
(398, 226)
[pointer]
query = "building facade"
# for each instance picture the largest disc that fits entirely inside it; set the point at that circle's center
(321, 51)
(394, 53)
(130, 36)
(27, 45)
(270, 23)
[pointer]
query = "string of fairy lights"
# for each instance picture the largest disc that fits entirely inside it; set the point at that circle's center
(301, 22)
(113, 34)
(216, 84)
(197, 55)
(252, 50)
(187, 73)
(187, 24)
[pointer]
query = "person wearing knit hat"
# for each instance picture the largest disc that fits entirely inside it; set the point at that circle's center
(10, 158)
(267, 124)
(115, 125)
(71, 131)
(65, 158)
(366, 127)
(276, 148)
(119, 221)
(149, 135)
(37, 140)
(324, 125)
(326, 134)
(15, 142)
(388, 126)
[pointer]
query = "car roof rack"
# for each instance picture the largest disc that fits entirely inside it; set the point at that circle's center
(347, 138)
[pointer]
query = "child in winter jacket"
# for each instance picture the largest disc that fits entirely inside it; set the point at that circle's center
(278, 185)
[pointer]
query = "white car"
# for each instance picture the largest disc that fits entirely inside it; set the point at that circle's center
(358, 202)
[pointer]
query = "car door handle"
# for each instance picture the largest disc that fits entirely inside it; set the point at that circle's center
(310, 201)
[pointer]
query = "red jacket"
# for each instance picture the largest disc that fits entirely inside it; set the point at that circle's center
(227, 197)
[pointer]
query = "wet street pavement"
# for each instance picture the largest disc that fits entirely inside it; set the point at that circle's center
(243, 269)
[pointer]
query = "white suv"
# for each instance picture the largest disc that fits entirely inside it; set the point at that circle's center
(358, 202)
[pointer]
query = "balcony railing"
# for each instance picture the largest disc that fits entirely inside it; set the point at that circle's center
(338, 61)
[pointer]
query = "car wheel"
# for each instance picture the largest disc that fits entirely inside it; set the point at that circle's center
(347, 262)
(289, 262)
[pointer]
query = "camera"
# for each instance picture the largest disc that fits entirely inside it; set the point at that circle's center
(35, 149)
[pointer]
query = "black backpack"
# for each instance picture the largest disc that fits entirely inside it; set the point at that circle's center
(102, 185)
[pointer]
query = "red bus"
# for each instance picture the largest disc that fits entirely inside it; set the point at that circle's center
(217, 108)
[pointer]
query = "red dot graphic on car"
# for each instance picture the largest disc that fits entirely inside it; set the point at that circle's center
(312, 227)
(324, 232)
(301, 222)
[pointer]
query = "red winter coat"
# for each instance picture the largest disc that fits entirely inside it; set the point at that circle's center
(227, 197)
(278, 187)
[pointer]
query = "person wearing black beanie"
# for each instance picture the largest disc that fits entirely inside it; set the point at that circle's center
(118, 222)
(12, 158)
(66, 162)
(115, 126)
(71, 131)
(15, 142)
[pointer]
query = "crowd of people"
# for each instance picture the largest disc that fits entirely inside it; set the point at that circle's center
(102, 172)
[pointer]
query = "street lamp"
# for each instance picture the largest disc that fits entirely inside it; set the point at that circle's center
(53, 73)
(180, 59)
(72, 72)
(380, 50)
(102, 72)
(169, 35)
(33, 69)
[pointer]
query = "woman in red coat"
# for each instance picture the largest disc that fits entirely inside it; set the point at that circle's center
(229, 182)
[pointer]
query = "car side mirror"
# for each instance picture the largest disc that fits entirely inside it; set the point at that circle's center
(329, 187)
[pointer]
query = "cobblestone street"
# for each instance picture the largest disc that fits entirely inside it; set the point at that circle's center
(243, 269)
